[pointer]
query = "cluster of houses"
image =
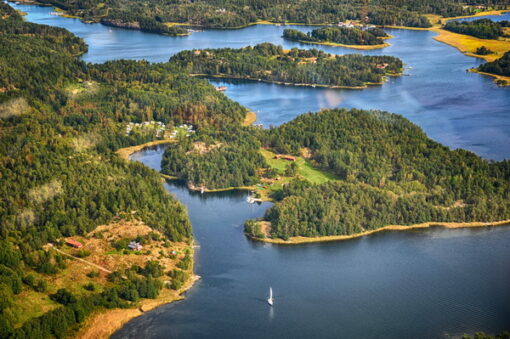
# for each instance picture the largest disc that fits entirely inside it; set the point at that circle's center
(352, 24)
(157, 125)
(188, 129)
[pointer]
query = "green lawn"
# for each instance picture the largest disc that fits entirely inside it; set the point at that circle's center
(305, 169)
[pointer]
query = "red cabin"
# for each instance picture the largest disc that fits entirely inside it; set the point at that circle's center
(74, 243)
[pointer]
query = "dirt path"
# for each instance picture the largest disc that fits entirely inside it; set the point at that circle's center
(80, 259)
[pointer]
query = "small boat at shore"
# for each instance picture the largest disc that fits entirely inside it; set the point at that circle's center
(251, 200)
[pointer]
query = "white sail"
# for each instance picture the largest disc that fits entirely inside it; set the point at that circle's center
(270, 299)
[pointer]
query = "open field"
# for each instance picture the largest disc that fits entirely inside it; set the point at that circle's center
(468, 44)
(305, 170)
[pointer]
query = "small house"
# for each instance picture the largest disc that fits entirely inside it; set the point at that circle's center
(135, 246)
(74, 243)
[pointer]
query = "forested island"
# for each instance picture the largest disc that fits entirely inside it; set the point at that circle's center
(340, 36)
(271, 63)
(482, 28)
(389, 173)
(151, 16)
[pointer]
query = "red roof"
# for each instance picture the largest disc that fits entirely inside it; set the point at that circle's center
(74, 243)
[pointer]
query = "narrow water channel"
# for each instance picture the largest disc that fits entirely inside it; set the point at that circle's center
(416, 284)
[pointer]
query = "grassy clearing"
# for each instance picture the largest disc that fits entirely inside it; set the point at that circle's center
(268, 185)
(305, 168)
(468, 44)
(305, 171)
(78, 88)
(31, 304)
(250, 118)
(98, 244)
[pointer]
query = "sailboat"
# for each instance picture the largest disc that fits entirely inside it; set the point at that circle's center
(270, 299)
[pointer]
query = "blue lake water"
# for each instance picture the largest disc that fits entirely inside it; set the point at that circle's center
(454, 107)
(420, 284)
(437, 283)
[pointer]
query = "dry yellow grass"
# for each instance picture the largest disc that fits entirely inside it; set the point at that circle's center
(302, 240)
(250, 118)
(104, 323)
(468, 44)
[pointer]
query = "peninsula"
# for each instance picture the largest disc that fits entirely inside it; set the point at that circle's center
(349, 37)
(499, 69)
(380, 180)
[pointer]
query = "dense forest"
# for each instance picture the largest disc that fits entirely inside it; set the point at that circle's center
(134, 20)
(339, 35)
(500, 66)
(482, 335)
(268, 62)
(390, 172)
(216, 159)
(482, 28)
(60, 121)
(237, 13)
